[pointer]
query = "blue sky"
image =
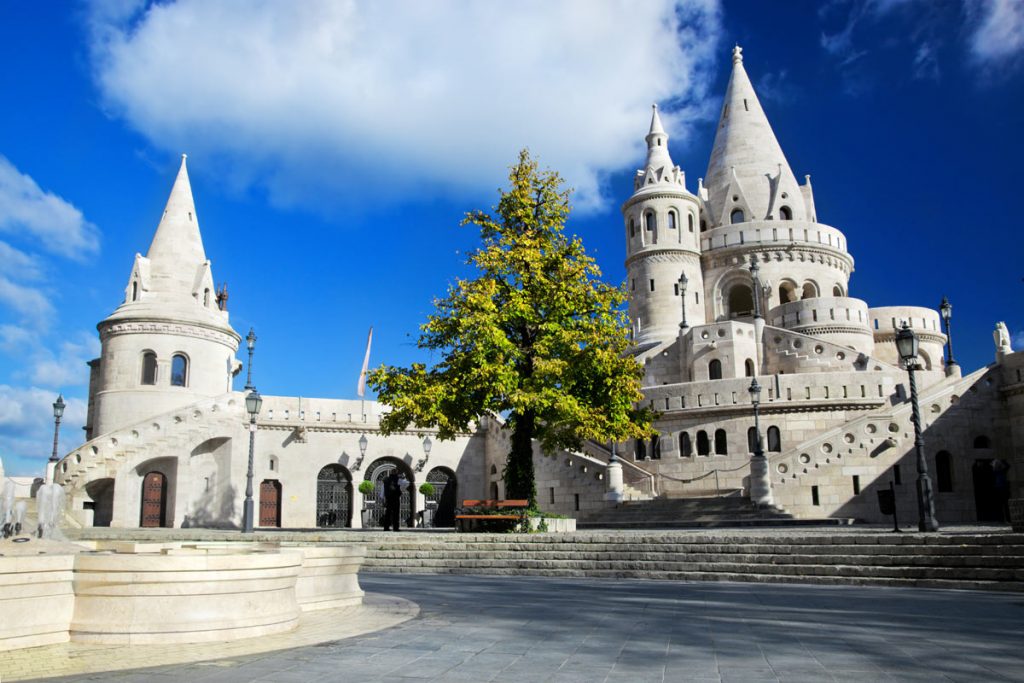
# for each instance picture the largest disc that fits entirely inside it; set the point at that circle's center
(333, 148)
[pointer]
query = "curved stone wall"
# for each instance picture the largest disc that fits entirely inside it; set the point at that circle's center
(36, 600)
(925, 322)
(840, 320)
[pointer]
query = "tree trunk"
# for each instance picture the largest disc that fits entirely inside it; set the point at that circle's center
(518, 475)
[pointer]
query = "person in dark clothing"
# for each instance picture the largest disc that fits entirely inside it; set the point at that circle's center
(392, 501)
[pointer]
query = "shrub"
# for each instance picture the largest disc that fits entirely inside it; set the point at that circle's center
(366, 487)
(427, 489)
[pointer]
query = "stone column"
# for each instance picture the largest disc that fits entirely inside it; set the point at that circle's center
(613, 476)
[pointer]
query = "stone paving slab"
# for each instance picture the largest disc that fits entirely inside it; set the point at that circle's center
(377, 612)
(525, 629)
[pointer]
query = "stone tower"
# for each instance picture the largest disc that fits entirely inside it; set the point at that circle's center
(169, 343)
(662, 243)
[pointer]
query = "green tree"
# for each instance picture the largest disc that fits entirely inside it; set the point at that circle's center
(536, 336)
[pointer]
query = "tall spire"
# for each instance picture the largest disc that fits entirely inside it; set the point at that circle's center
(177, 248)
(747, 162)
(658, 169)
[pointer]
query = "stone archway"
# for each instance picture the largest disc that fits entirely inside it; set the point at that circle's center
(445, 495)
(377, 472)
(333, 497)
(101, 491)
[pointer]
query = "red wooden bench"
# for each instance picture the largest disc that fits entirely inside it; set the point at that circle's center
(516, 506)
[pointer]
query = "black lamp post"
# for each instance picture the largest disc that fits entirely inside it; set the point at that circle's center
(906, 345)
(683, 281)
(362, 452)
(253, 403)
(755, 269)
(427, 445)
(250, 342)
(58, 413)
(946, 309)
(760, 485)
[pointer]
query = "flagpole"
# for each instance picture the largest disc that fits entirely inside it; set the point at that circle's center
(361, 387)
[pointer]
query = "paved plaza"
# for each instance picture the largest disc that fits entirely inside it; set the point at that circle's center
(525, 629)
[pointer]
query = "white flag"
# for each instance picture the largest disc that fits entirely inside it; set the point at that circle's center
(361, 389)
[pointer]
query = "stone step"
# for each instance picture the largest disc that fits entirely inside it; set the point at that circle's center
(961, 584)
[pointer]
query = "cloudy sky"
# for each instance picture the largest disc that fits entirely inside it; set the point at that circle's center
(334, 146)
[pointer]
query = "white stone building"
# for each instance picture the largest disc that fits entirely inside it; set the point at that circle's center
(168, 438)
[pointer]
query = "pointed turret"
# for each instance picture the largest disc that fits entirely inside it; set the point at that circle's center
(177, 248)
(748, 172)
(659, 169)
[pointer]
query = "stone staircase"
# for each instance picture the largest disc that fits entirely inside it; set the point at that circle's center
(683, 513)
(965, 559)
(983, 562)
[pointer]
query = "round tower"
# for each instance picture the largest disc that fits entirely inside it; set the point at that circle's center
(169, 343)
(662, 244)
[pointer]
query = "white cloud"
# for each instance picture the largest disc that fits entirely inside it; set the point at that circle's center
(26, 427)
(67, 368)
(19, 265)
(378, 98)
(26, 208)
(998, 29)
(32, 305)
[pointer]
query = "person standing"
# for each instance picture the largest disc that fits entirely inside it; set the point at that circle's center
(392, 501)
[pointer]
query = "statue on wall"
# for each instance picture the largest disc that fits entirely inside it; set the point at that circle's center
(1002, 339)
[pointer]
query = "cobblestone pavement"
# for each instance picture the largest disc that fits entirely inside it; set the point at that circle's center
(525, 629)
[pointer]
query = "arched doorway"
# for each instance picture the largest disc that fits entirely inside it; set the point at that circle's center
(987, 494)
(333, 497)
(102, 504)
(377, 472)
(154, 500)
(270, 503)
(741, 301)
(445, 494)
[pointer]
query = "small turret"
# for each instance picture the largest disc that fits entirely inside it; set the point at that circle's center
(659, 170)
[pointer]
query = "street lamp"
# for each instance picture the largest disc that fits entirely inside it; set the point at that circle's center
(760, 484)
(683, 281)
(58, 413)
(427, 445)
(946, 309)
(906, 346)
(250, 342)
(756, 289)
(253, 403)
(362, 452)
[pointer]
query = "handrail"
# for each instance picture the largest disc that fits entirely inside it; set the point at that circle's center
(650, 475)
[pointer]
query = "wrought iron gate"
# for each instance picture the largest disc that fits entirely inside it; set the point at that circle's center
(444, 496)
(377, 473)
(333, 497)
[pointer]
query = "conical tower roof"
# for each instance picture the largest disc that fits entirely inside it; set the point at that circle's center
(746, 159)
(177, 247)
(658, 170)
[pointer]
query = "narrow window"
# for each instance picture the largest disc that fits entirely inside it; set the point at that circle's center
(814, 496)
(897, 477)
(576, 501)
(676, 288)
(135, 290)
(685, 447)
(650, 221)
(149, 368)
(206, 297)
(748, 367)
(632, 228)
(652, 284)
(745, 107)
(655, 447)
(736, 216)
(632, 285)
(751, 439)
(552, 495)
(703, 225)
(715, 369)
(641, 450)
(774, 440)
(689, 221)
(721, 445)
(703, 444)
(856, 484)
(179, 371)
(671, 220)
(944, 471)
(786, 213)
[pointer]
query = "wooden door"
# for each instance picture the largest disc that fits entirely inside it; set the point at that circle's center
(154, 494)
(270, 503)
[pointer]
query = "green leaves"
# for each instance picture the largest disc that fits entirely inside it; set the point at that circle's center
(536, 335)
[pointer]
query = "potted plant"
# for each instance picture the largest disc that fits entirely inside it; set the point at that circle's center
(366, 488)
(427, 489)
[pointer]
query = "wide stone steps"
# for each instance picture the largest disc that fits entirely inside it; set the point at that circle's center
(683, 513)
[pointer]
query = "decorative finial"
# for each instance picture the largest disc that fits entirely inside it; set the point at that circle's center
(737, 54)
(184, 156)
(654, 106)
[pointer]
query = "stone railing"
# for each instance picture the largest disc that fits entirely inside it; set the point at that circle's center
(773, 233)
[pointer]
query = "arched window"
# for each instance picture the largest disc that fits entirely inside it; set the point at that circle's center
(751, 439)
(149, 368)
(741, 301)
(721, 445)
(944, 471)
(703, 225)
(655, 447)
(715, 369)
(206, 297)
(785, 213)
(179, 370)
(774, 440)
(748, 367)
(685, 447)
(982, 442)
(837, 291)
(650, 222)
(689, 221)
(810, 291)
(736, 216)
(703, 445)
(640, 452)
(787, 292)
(632, 227)
(135, 290)
(671, 220)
